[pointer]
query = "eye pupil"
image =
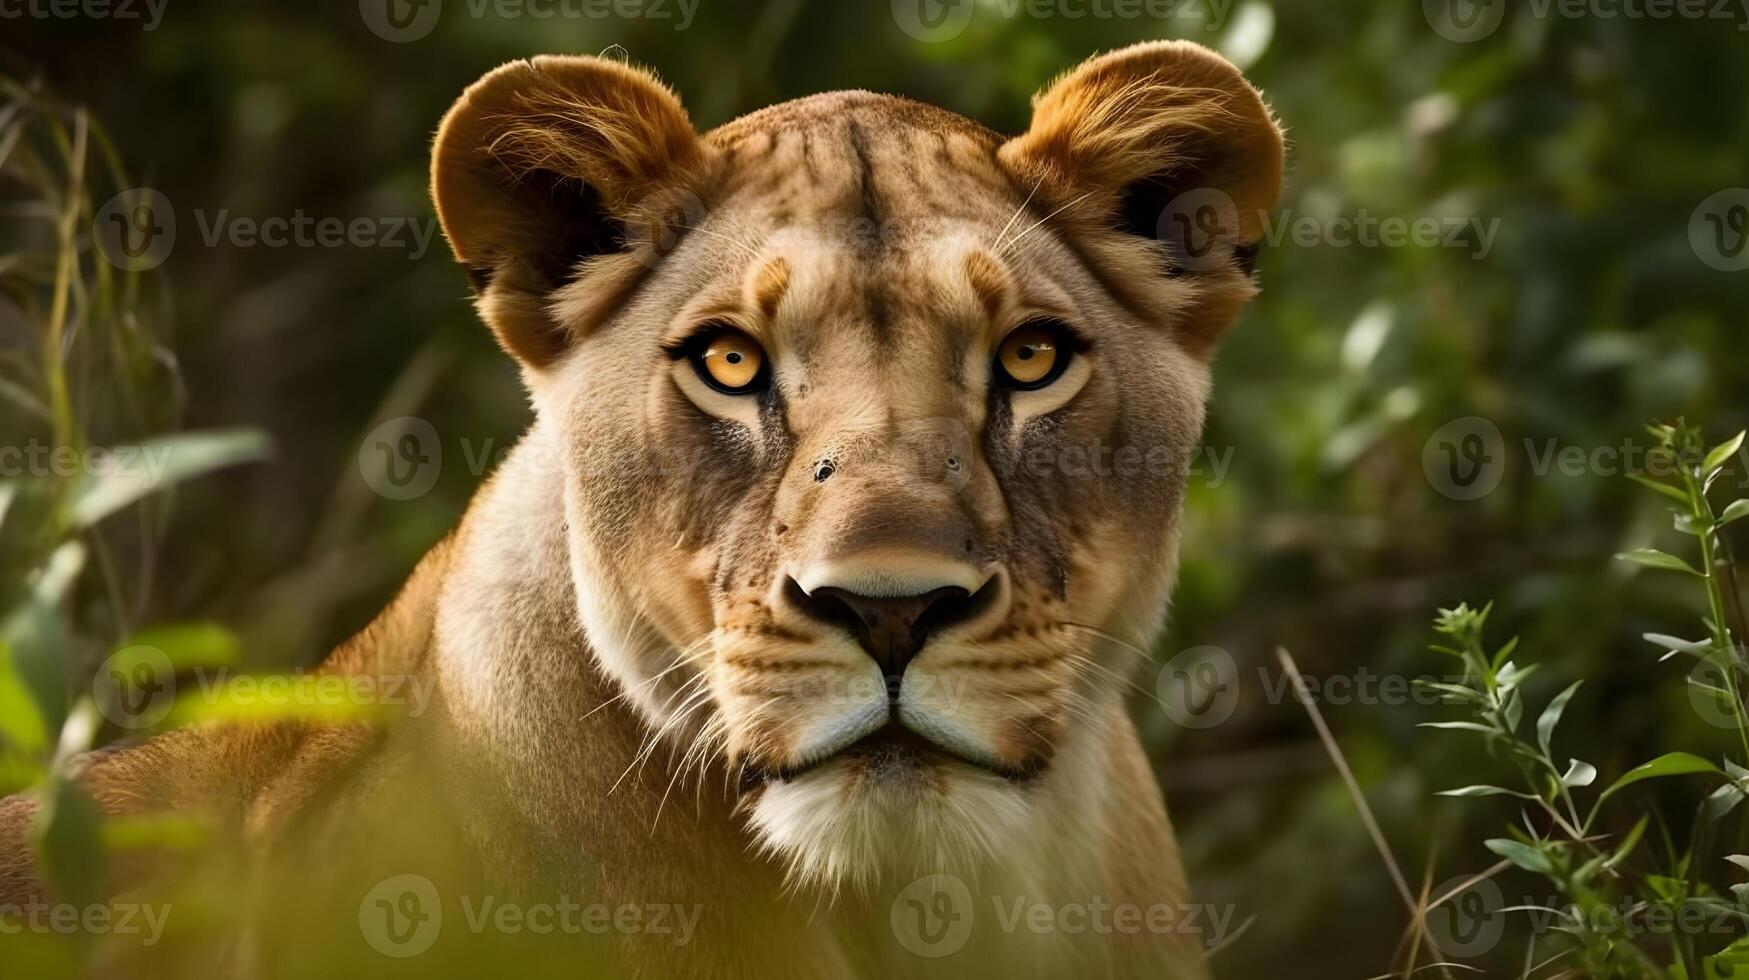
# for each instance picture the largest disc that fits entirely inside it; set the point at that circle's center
(1034, 355)
(730, 361)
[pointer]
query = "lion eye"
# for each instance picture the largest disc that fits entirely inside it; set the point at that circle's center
(731, 362)
(1033, 355)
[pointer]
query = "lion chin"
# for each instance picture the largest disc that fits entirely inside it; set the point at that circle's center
(885, 811)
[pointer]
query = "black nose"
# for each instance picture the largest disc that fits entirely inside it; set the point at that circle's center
(891, 629)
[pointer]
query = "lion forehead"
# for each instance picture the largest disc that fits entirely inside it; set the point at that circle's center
(866, 169)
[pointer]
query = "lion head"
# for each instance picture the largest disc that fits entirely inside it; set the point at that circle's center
(873, 425)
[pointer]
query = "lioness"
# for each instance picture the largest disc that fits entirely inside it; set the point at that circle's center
(812, 593)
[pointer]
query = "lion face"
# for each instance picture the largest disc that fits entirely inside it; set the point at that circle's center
(873, 426)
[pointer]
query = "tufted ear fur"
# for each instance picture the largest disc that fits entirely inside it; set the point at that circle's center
(543, 164)
(1127, 135)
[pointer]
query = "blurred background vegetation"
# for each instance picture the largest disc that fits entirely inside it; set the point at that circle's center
(1590, 140)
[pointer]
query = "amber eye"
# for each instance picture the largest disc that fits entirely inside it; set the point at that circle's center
(1033, 355)
(731, 362)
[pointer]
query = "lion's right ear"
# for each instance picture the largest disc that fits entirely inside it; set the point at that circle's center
(543, 164)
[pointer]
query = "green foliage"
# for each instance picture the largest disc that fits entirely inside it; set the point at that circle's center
(1602, 903)
(99, 376)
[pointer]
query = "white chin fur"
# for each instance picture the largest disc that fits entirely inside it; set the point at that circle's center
(834, 829)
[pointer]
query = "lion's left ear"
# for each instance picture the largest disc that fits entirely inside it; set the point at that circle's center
(1128, 133)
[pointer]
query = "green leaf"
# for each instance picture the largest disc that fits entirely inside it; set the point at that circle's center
(189, 645)
(1521, 854)
(142, 831)
(1513, 711)
(1551, 716)
(1715, 460)
(1511, 675)
(1453, 692)
(1579, 773)
(1696, 648)
(1628, 843)
(1484, 791)
(1737, 510)
(35, 632)
(159, 464)
(1504, 652)
(1666, 888)
(1465, 726)
(70, 845)
(1732, 961)
(1670, 764)
(21, 724)
(1653, 558)
(1722, 801)
(1663, 488)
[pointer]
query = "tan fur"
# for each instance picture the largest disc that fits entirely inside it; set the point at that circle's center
(628, 681)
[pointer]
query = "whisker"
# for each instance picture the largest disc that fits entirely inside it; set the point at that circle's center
(1139, 651)
(1009, 248)
(997, 245)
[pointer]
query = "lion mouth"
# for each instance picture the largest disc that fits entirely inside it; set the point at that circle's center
(892, 753)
